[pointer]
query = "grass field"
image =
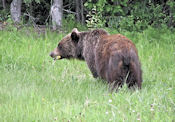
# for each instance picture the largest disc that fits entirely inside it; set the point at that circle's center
(35, 88)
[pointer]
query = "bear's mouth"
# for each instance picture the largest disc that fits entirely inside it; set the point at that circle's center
(57, 58)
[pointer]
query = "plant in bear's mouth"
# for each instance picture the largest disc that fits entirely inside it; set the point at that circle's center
(57, 58)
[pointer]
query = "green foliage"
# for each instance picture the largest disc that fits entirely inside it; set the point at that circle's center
(35, 88)
(4, 14)
(135, 15)
(171, 18)
(95, 19)
(69, 23)
(131, 15)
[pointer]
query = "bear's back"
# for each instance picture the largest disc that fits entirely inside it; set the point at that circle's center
(109, 44)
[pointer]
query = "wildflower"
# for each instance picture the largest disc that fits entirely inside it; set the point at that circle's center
(152, 109)
(110, 100)
(138, 119)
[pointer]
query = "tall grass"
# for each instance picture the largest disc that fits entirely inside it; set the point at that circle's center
(35, 88)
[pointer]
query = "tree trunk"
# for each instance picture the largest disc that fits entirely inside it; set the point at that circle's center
(15, 10)
(77, 5)
(82, 12)
(3, 4)
(57, 14)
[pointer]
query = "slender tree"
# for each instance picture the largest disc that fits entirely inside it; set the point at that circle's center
(4, 4)
(77, 8)
(15, 10)
(82, 12)
(57, 14)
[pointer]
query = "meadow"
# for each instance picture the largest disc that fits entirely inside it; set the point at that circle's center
(35, 88)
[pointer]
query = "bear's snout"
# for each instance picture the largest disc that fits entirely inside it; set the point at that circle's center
(52, 55)
(55, 54)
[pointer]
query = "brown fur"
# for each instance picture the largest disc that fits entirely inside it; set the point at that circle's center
(111, 57)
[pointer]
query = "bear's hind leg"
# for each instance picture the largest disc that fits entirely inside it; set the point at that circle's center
(134, 77)
(115, 72)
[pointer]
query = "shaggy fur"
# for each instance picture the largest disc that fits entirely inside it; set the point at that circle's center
(111, 57)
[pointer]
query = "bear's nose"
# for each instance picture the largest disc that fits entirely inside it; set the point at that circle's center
(51, 54)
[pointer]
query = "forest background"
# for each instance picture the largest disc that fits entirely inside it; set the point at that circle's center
(131, 15)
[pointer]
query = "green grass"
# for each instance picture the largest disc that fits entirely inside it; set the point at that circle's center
(34, 88)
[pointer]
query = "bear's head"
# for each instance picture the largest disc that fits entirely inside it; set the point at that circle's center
(69, 46)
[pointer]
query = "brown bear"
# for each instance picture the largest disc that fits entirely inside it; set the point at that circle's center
(111, 57)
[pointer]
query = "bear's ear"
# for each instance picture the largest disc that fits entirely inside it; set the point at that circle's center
(75, 35)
